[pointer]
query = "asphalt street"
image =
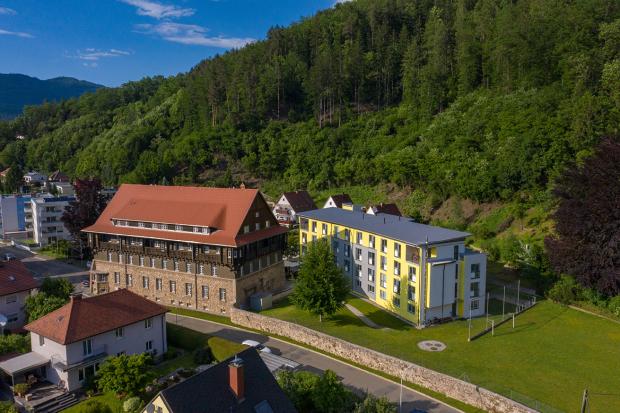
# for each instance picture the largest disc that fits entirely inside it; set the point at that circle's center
(360, 381)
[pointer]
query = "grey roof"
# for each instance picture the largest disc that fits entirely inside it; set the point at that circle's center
(23, 362)
(391, 226)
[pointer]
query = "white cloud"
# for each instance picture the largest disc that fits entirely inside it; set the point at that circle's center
(18, 34)
(7, 11)
(159, 10)
(191, 34)
(91, 55)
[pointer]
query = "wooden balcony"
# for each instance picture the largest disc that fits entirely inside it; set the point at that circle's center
(157, 252)
(134, 249)
(113, 246)
(185, 255)
(209, 257)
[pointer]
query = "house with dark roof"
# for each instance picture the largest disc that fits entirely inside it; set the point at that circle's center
(58, 176)
(68, 344)
(337, 201)
(16, 284)
(241, 384)
(192, 247)
(290, 204)
(382, 208)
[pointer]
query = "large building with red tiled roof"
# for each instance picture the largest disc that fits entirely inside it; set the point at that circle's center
(68, 344)
(16, 284)
(193, 247)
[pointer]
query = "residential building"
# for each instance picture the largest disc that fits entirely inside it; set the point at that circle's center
(68, 344)
(62, 188)
(382, 208)
(290, 204)
(16, 284)
(16, 216)
(241, 384)
(35, 178)
(336, 201)
(58, 176)
(419, 272)
(195, 247)
(47, 211)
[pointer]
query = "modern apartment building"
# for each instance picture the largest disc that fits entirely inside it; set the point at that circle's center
(201, 248)
(16, 216)
(46, 213)
(420, 272)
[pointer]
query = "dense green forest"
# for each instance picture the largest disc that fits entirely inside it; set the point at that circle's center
(483, 100)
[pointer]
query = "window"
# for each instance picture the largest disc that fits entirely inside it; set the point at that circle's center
(383, 281)
(336, 233)
(149, 345)
(173, 287)
(129, 280)
(41, 340)
(119, 332)
(11, 299)
(201, 269)
(257, 226)
(397, 250)
(371, 258)
(117, 278)
(396, 301)
(370, 288)
(205, 291)
(164, 264)
(412, 274)
(87, 347)
(141, 261)
(176, 265)
(411, 293)
(360, 237)
(145, 283)
(410, 308)
(347, 250)
(358, 270)
(188, 289)
(257, 214)
(384, 246)
(371, 241)
(474, 289)
(475, 271)
(475, 304)
(358, 254)
(396, 286)
(371, 275)
(304, 238)
(223, 294)
(324, 229)
(313, 226)
(382, 294)
(246, 229)
(396, 268)
(456, 252)
(158, 284)
(347, 234)
(214, 270)
(188, 267)
(267, 224)
(148, 323)
(347, 266)
(383, 263)
(11, 318)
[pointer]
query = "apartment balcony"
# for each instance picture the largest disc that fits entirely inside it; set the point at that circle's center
(112, 246)
(134, 249)
(155, 251)
(185, 255)
(209, 257)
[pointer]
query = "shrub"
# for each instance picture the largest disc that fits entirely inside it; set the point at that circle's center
(124, 374)
(21, 388)
(614, 305)
(14, 343)
(8, 407)
(565, 291)
(203, 355)
(132, 404)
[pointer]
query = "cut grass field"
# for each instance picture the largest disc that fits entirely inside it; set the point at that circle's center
(552, 355)
(108, 399)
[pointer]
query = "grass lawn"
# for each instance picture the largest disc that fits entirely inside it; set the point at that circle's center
(108, 399)
(551, 356)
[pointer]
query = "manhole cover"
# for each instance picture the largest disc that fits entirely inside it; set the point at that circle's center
(431, 345)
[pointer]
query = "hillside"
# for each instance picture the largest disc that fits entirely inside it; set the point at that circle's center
(448, 104)
(17, 91)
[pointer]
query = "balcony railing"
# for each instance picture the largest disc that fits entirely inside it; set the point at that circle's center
(155, 251)
(115, 246)
(181, 254)
(136, 249)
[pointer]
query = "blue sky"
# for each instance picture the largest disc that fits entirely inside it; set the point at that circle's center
(114, 41)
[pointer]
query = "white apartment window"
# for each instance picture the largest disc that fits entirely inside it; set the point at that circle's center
(336, 231)
(396, 301)
(347, 234)
(396, 268)
(41, 340)
(205, 291)
(141, 224)
(188, 267)
(359, 237)
(371, 258)
(383, 280)
(370, 288)
(304, 238)
(475, 271)
(384, 246)
(371, 241)
(117, 278)
(173, 287)
(371, 275)
(222, 294)
(410, 308)
(119, 332)
(313, 226)
(347, 250)
(383, 263)
(197, 229)
(149, 345)
(87, 347)
(397, 250)
(411, 293)
(475, 304)
(474, 289)
(358, 254)
(11, 299)
(188, 289)
(396, 286)
(158, 284)
(148, 323)
(145, 283)
(324, 229)
(358, 270)
(178, 227)
(347, 266)
(382, 294)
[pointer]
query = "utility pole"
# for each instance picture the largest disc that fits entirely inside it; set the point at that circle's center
(504, 303)
(400, 398)
(488, 296)
(518, 294)
(585, 406)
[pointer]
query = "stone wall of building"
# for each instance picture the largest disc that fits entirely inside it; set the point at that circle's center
(430, 379)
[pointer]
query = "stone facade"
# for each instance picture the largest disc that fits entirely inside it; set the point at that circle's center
(430, 379)
(204, 292)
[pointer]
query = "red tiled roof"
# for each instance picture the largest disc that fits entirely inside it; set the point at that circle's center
(86, 317)
(15, 277)
(340, 199)
(222, 208)
(300, 201)
(391, 209)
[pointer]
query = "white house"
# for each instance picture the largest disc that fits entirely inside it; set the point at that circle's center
(336, 201)
(46, 213)
(68, 345)
(35, 178)
(16, 284)
(290, 204)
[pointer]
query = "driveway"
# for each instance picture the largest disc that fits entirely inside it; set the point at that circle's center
(360, 381)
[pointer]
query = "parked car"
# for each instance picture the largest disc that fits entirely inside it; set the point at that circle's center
(9, 257)
(258, 346)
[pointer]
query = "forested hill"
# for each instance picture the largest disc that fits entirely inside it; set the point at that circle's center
(17, 91)
(479, 99)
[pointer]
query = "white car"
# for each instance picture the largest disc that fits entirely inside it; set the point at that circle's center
(258, 346)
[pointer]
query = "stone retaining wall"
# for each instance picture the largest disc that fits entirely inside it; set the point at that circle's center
(430, 379)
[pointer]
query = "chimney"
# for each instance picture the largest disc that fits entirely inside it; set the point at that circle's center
(76, 297)
(236, 378)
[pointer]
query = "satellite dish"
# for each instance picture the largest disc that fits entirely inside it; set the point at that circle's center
(3, 320)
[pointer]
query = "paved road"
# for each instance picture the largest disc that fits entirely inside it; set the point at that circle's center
(358, 380)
